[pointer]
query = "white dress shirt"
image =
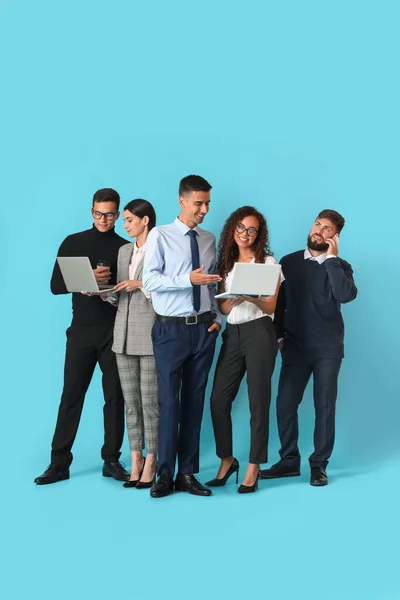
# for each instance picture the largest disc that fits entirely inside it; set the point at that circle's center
(137, 255)
(247, 311)
(320, 259)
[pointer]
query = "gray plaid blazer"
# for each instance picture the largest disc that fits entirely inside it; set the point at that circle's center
(135, 314)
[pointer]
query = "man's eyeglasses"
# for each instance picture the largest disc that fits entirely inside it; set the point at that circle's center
(251, 231)
(98, 215)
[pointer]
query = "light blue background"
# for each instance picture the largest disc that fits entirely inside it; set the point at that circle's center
(290, 106)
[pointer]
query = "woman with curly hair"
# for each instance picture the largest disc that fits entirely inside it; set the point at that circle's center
(249, 344)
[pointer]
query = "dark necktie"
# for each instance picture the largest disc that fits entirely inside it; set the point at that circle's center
(194, 248)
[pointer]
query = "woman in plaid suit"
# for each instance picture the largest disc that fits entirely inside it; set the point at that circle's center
(133, 346)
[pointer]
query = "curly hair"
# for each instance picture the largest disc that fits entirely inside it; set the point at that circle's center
(228, 251)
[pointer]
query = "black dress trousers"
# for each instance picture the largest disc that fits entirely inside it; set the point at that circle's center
(88, 345)
(250, 347)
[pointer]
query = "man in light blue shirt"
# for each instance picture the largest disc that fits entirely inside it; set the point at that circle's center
(179, 271)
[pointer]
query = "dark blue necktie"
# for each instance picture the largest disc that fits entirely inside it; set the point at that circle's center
(194, 248)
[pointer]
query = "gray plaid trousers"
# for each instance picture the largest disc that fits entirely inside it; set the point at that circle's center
(138, 378)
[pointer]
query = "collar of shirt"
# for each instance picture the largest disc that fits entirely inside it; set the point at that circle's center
(320, 259)
(184, 228)
(137, 250)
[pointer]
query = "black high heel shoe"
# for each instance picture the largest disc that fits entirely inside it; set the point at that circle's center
(142, 485)
(234, 468)
(132, 484)
(248, 489)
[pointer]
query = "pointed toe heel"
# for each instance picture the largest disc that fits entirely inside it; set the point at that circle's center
(234, 468)
(143, 485)
(130, 484)
(248, 489)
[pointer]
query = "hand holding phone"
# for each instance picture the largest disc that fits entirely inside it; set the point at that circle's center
(333, 243)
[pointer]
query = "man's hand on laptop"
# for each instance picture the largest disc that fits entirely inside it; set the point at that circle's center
(103, 295)
(197, 277)
(102, 274)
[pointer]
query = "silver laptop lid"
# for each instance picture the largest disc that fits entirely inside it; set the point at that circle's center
(255, 279)
(78, 274)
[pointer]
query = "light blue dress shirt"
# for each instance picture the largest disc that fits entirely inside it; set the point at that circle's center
(167, 268)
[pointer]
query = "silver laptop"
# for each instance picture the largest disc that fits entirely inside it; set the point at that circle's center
(78, 275)
(253, 279)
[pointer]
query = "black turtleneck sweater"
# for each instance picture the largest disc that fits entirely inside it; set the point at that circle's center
(89, 310)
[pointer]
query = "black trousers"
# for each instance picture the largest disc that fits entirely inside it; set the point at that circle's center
(87, 346)
(250, 347)
(183, 354)
(292, 383)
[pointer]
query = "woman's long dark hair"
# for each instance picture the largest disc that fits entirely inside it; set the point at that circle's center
(141, 208)
(228, 251)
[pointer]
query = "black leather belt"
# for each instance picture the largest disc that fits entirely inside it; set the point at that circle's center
(189, 320)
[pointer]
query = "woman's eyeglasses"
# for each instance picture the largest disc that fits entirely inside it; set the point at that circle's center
(251, 231)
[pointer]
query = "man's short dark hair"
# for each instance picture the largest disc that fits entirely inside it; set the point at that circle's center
(333, 216)
(107, 195)
(193, 183)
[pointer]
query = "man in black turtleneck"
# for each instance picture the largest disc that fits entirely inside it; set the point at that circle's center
(89, 341)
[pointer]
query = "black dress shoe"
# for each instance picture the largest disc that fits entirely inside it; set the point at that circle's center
(279, 469)
(163, 486)
(115, 469)
(189, 483)
(318, 477)
(53, 474)
(248, 489)
(234, 468)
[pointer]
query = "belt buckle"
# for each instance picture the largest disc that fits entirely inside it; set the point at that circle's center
(191, 320)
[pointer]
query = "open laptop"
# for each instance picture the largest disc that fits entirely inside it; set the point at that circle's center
(78, 275)
(253, 279)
